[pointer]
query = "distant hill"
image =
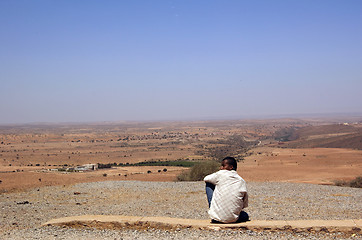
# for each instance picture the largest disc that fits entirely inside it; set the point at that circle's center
(325, 136)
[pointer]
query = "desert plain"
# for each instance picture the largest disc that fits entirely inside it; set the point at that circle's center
(318, 151)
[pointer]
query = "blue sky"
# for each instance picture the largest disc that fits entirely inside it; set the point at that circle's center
(76, 61)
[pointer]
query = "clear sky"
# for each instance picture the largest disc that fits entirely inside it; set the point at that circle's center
(88, 60)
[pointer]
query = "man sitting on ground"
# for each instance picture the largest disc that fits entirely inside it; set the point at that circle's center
(226, 193)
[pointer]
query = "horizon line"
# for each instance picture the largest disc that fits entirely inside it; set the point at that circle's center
(228, 118)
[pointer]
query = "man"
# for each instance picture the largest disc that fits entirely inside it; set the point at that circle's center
(226, 193)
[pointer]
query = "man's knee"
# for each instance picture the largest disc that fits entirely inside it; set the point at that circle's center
(210, 185)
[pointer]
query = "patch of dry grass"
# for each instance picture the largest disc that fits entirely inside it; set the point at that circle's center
(355, 183)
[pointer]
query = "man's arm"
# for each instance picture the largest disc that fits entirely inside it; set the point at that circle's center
(212, 178)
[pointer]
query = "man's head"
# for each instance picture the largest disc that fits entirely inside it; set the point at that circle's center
(229, 163)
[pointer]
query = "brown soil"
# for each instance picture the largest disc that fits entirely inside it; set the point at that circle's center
(311, 165)
(30, 178)
(28, 153)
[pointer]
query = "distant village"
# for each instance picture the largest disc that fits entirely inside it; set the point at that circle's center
(83, 168)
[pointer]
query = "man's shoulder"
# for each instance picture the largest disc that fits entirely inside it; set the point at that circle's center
(227, 174)
(221, 172)
(236, 175)
(233, 172)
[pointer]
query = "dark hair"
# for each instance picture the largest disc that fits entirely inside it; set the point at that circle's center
(232, 162)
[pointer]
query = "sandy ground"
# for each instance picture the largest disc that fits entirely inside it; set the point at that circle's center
(317, 165)
(30, 178)
(311, 165)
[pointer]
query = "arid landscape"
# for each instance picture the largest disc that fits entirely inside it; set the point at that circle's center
(49, 171)
(121, 108)
(318, 151)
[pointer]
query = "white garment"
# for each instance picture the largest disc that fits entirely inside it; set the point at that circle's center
(230, 195)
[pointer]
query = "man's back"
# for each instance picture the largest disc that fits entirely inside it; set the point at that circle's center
(229, 197)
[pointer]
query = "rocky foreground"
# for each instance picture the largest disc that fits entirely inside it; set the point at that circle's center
(22, 213)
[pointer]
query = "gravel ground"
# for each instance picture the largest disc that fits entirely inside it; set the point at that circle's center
(22, 213)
